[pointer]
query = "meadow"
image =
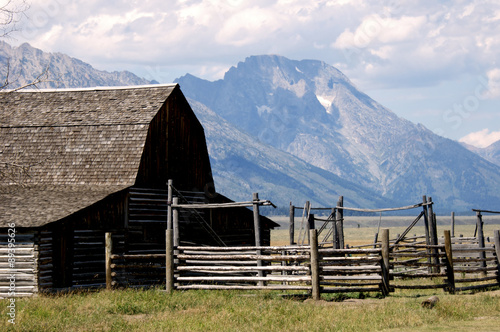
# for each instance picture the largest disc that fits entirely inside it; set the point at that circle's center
(154, 310)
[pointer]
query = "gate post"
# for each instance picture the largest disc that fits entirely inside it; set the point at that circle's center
(256, 223)
(385, 261)
(292, 224)
(450, 273)
(497, 251)
(480, 240)
(169, 263)
(316, 295)
(109, 251)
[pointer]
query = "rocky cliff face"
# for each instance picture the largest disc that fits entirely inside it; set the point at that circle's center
(24, 64)
(311, 110)
(242, 164)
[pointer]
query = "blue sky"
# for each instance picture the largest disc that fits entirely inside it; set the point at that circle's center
(431, 62)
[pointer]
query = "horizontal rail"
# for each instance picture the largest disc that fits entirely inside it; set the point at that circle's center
(238, 287)
(248, 279)
(250, 248)
(237, 257)
(222, 205)
(242, 268)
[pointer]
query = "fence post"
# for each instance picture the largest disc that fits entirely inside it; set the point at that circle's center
(450, 273)
(256, 223)
(292, 224)
(169, 204)
(175, 225)
(313, 233)
(169, 263)
(480, 240)
(427, 236)
(109, 251)
(175, 221)
(453, 224)
(310, 225)
(433, 236)
(340, 223)
(385, 261)
(497, 251)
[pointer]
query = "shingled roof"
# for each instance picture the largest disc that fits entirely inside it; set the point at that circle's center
(62, 150)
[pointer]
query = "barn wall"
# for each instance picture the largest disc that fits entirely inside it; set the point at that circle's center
(25, 266)
(175, 149)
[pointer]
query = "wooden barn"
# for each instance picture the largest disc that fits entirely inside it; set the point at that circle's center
(75, 164)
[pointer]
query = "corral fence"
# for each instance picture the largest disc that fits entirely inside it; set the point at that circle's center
(322, 270)
(453, 264)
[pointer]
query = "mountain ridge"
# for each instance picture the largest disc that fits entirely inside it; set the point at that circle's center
(313, 111)
(24, 64)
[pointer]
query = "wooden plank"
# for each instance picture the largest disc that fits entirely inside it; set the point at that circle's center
(479, 279)
(243, 268)
(323, 277)
(465, 288)
(247, 279)
(237, 287)
(244, 257)
(348, 251)
(350, 289)
(248, 248)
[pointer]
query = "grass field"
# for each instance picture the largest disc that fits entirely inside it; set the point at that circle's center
(154, 310)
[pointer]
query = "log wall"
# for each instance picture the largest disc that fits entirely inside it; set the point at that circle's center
(19, 270)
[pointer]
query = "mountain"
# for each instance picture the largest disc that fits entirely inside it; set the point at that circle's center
(242, 165)
(311, 110)
(25, 63)
(490, 153)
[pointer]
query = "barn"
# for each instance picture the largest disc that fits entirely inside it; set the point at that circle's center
(76, 163)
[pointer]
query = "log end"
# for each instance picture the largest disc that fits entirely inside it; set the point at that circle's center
(430, 302)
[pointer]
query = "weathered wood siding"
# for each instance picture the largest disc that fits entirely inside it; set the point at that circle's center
(175, 149)
(24, 270)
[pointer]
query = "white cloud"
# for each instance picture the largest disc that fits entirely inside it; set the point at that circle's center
(375, 29)
(482, 138)
(493, 83)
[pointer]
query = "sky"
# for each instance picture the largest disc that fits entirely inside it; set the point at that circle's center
(431, 62)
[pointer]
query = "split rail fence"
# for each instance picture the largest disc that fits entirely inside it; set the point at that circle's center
(323, 270)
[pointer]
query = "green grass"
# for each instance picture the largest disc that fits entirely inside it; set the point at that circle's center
(138, 310)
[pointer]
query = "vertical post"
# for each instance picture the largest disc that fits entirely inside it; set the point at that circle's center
(169, 263)
(480, 239)
(385, 261)
(340, 223)
(256, 223)
(256, 218)
(450, 273)
(497, 252)
(453, 224)
(313, 234)
(427, 236)
(433, 235)
(292, 224)
(109, 251)
(169, 204)
(338, 218)
(310, 225)
(375, 241)
(175, 221)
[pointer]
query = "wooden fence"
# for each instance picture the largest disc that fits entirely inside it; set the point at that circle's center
(319, 270)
